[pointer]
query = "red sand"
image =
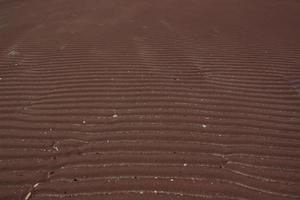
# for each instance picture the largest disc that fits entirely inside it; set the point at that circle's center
(139, 99)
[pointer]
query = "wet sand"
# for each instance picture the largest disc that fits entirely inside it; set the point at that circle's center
(136, 99)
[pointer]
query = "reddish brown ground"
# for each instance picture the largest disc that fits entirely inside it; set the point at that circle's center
(140, 99)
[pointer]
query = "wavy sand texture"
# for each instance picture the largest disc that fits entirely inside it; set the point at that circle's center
(139, 99)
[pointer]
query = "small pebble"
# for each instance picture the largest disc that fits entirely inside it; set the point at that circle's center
(115, 115)
(204, 125)
(55, 148)
(184, 164)
(28, 196)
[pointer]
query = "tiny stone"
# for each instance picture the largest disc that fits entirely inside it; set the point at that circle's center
(184, 164)
(141, 192)
(155, 191)
(28, 196)
(171, 180)
(56, 148)
(115, 115)
(204, 125)
(83, 121)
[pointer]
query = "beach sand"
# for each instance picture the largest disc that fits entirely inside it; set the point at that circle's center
(137, 99)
